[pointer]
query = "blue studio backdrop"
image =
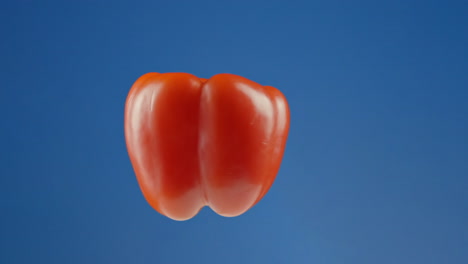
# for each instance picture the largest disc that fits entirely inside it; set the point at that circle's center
(376, 164)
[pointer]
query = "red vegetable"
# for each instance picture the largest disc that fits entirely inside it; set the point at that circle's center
(195, 142)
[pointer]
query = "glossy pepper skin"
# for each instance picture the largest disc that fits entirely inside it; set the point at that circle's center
(197, 142)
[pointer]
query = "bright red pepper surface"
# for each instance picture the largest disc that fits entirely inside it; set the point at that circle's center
(197, 142)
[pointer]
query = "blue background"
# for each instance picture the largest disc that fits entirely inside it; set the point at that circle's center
(376, 166)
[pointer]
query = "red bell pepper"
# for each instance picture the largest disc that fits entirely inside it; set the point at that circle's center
(197, 142)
